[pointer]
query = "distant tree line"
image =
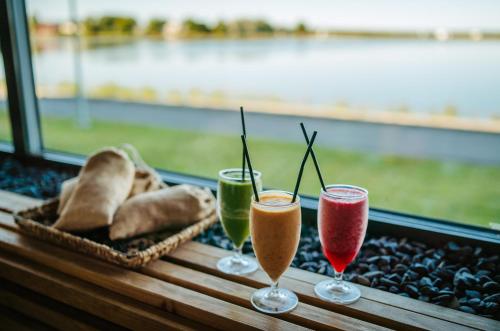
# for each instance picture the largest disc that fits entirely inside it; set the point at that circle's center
(238, 28)
(120, 25)
(190, 27)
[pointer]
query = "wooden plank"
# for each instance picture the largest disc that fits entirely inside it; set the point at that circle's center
(12, 202)
(49, 311)
(306, 315)
(13, 320)
(205, 257)
(375, 306)
(91, 299)
(183, 302)
(7, 221)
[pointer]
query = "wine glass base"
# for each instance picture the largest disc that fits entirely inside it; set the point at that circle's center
(344, 294)
(237, 266)
(277, 302)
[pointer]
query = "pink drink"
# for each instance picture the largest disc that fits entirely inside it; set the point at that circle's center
(342, 223)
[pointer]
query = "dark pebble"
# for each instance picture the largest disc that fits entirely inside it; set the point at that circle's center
(443, 299)
(464, 280)
(409, 276)
(467, 309)
(481, 273)
(493, 298)
(483, 279)
(373, 274)
(384, 260)
(429, 290)
(394, 289)
(373, 259)
(412, 291)
(362, 280)
(472, 294)
(475, 302)
(307, 265)
(452, 247)
(388, 282)
(394, 277)
(490, 308)
(425, 281)
(305, 257)
(491, 287)
(363, 267)
(446, 292)
(430, 264)
(400, 268)
(419, 268)
(407, 248)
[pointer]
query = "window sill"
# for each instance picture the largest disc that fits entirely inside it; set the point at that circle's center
(382, 222)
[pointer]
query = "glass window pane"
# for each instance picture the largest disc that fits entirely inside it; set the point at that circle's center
(5, 129)
(406, 110)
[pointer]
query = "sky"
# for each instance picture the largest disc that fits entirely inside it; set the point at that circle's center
(343, 14)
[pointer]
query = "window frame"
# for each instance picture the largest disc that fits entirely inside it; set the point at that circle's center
(27, 146)
(23, 103)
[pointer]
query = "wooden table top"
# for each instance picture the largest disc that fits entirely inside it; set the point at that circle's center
(46, 286)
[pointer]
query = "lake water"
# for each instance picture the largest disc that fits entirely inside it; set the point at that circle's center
(421, 75)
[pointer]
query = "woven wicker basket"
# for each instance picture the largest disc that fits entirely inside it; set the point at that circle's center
(36, 222)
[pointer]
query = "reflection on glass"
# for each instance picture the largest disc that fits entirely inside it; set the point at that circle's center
(387, 103)
(5, 129)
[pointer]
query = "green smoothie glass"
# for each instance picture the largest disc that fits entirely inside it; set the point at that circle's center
(234, 195)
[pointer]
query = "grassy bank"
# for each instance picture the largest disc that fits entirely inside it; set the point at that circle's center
(5, 133)
(465, 193)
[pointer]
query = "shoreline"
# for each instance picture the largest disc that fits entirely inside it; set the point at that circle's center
(334, 112)
(425, 143)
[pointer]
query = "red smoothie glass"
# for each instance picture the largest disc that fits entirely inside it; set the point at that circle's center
(342, 223)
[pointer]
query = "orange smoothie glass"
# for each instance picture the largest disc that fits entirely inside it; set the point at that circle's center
(275, 223)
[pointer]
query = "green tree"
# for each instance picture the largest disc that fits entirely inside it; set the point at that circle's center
(109, 25)
(220, 28)
(124, 25)
(262, 26)
(91, 26)
(190, 26)
(155, 26)
(301, 28)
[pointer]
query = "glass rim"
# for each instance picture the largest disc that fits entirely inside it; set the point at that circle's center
(289, 204)
(223, 172)
(363, 193)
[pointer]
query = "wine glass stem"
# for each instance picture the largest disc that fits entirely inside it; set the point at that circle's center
(337, 280)
(274, 289)
(237, 257)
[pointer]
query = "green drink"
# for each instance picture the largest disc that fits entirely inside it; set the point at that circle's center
(234, 196)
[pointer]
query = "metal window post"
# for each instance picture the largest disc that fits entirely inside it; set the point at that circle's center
(23, 104)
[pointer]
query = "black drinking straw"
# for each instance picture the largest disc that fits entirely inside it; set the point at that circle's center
(316, 165)
(244, 129)
(245, 151)
(299, 177)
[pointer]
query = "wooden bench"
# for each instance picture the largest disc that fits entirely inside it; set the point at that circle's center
(46, 286)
